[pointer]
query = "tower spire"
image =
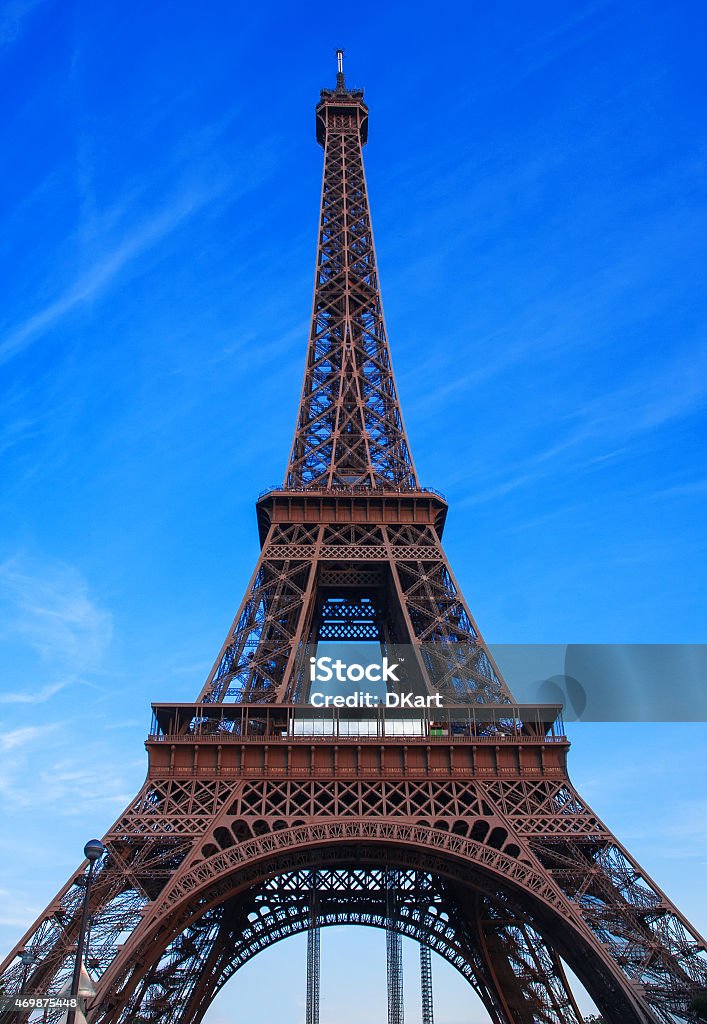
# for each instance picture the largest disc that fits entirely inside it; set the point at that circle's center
(349, 428)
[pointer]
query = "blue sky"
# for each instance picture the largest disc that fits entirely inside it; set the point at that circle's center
(537, 177)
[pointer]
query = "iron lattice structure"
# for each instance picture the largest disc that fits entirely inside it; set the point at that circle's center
(426, 985)
(394, 953)
(313, 957)
(313, 972)
(250, 827)
(351, 543)
(349, 429)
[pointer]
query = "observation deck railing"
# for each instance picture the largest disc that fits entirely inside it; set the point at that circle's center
(354, 490)
(239, 723)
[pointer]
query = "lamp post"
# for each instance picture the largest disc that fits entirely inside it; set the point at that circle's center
(92, 851)
(26, 959)
(87, 959)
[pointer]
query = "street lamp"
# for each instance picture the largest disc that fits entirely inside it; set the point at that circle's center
(26, 959)
(92, 851)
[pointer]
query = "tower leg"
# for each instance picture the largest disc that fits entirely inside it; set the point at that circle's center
(394, 949)
(394, 956)
(426, 984)
(527, 977)
(313, 966)
(313, 958)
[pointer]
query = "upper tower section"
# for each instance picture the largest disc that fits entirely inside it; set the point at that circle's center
(341, 109)
(349, 431)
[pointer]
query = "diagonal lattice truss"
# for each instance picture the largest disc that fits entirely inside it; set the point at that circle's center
(394, 951)
(426, 985)
(262, 659)
(313, 975)
(535, 833)
(349, 427)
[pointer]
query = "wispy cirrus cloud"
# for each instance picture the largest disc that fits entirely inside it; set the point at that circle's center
(71, 783)
(16, 432)
(23, 737)
(603, 427)
(113, 262)
(32, 696)
(15, 911)
(108, 241)
(41, 767)
(14, 17)
(47, 607)
(687, 488)
(18, 748)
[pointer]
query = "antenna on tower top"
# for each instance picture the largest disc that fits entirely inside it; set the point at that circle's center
(340, 69)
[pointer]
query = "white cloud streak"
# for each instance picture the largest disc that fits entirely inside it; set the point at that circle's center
(13, 20)
(20, 739)
(47, 607)
(15, 911)
(32, 696)
(90, 284)
(674, 391)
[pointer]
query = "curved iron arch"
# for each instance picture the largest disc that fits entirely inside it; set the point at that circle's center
(212, 884)
(426, 911)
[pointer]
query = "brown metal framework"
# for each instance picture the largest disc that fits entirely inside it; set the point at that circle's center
(427, 1016)
(350, 428)
(252, 826)
(313, 970)
(394, 951)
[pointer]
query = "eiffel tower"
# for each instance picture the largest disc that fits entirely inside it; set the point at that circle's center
(260, 818)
